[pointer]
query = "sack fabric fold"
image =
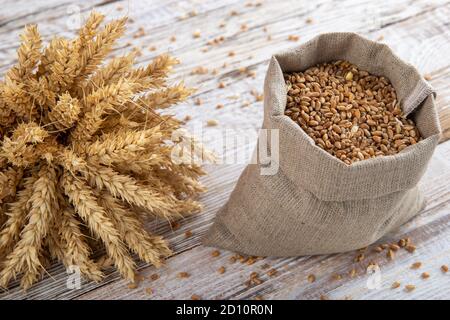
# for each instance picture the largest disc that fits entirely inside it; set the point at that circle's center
(315, 203)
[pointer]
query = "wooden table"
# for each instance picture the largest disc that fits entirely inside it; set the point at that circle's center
(417, 30)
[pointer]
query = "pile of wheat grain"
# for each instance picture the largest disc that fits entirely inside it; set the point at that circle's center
(349, 113)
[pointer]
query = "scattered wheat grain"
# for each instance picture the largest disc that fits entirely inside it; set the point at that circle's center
(272, 272)
(212, 123)
(311, 278)
(183, 275)
(215, 253)
(410, 287)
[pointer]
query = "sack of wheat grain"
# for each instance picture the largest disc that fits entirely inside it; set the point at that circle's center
(357, 127)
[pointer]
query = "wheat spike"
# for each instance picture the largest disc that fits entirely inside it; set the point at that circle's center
(62, 70)
(96, 50)
(19, 150)
(149, 248)
(88, 30)
(121, 186)
(165, 98)
(17, 99)
(9, 180)
(82, 198)
(154, 75)
(25, 255)
(109, 74)
(123, 145)
(76, 250)
(17, 214)
(28, 55)
(66, 112)
(98, 104)
(7, 115)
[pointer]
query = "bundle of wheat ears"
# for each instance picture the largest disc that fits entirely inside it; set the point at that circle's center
(85, 156)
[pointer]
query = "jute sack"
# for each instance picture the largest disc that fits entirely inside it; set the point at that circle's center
(316, 204)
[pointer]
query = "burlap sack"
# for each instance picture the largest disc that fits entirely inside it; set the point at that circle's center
(316, 204)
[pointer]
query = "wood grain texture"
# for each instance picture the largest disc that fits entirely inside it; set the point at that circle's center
(418, 31)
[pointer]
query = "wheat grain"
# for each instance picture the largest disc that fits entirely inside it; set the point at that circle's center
(212, 123)
(215, 253)
(410, 287)
(183, 275)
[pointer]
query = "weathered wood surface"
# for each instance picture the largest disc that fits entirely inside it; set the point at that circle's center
(418, 31)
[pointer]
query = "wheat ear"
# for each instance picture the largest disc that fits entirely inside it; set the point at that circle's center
(7, 115)
(66, 112)
(76, 249)
(109, 74)
(129, 190)
(25, 255)
(95, 51)
(15, 94)
(9, 181)
(123, 145)
(88, 30)
(17, 149)
(98, 104)
(82, 198)
(149, 248)
(17, 215)
(152, 76)
(165, 98)
(17, 99)
(28, 55)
